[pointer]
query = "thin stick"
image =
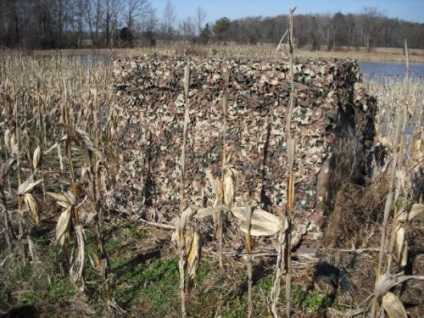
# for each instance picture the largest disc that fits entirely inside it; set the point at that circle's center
(40, 123)
(290, 183)
(18, 165)
(181, 252)
(387, 209)
(249, 247)
(284, 238)
(224, 162)
(401, 159)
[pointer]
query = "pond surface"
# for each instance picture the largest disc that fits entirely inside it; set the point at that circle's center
(379, 70)
(370, 70)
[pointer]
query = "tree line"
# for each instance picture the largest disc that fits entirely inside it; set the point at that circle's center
(53, 24)
(369, 28)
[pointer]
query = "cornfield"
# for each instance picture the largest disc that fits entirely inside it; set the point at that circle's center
(66, 252)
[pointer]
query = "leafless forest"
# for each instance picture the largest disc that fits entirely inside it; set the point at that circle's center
(52, 24)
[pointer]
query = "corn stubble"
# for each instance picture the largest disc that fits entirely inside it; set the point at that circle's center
(53, 110)
(399, 205)
(55, 133)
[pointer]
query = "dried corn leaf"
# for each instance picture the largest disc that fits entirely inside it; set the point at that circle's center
(185, 218)
(36, 157)
(401, 246)
(32, 207)
(204, 212)
(400, 184)
(193, 253)
(71, 198)
(387, 281)
(215, 184)
(55, 145)
(7, 140)
(228, 186)
(262, 223)
(65, 200)
(62, 227)
(102, 174)
(4, 169)
(393, 306)
(78, 262)
(416, 209)
(85, 142)
(32, 251)
(28, 185)
(60, 198)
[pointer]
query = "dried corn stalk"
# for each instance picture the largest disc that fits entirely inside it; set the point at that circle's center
(69, 202)
(25, 196)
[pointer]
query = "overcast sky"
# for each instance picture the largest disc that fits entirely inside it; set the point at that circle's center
(410, 10)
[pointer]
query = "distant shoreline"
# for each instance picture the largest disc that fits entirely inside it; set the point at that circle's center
(265, 51)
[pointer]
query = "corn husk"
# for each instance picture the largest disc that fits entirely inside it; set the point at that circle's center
(262, 223)
(401, 246)
(416, 209)
(393, 306)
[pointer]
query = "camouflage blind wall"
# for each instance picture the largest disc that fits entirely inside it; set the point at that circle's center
(333, 123)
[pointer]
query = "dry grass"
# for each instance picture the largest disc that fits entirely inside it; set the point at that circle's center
(238, 51)
(353, 222)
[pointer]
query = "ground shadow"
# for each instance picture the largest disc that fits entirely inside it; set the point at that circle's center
(27, 311)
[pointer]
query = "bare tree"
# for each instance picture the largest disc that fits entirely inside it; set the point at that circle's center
(149, 26)
(94, 17)
(151, 22)
(80, 8)
(60, 10)
(169, 17)
(199, 18)
(46, 24)
(136, 11)
(187, 28)
(111, 11)
(368, 22)
(339, 30)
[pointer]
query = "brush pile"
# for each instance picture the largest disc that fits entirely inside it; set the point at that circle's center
(333, 123)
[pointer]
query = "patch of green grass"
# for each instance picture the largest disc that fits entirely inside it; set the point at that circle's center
(166, 270)
(265, 283)
(235, 308)
(131, 231)
(311, 300)
(28, 297)
(62, 288)
(22, 272)
(47, 293)
(154, 284)
(121, 236)
(91, 245)
(203, 272)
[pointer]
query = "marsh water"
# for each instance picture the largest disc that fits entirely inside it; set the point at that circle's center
(370, 70)
(379, 70)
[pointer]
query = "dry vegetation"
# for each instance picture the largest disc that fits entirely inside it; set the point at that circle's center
(259, 51)
(63, 253)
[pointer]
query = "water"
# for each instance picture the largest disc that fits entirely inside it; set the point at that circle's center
(370, 70)
(379, 70)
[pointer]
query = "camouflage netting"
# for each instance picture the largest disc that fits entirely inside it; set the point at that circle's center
(333, 122)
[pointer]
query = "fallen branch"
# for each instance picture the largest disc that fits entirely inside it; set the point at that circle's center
(159, 225)
(350, 313)
(356, 251)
